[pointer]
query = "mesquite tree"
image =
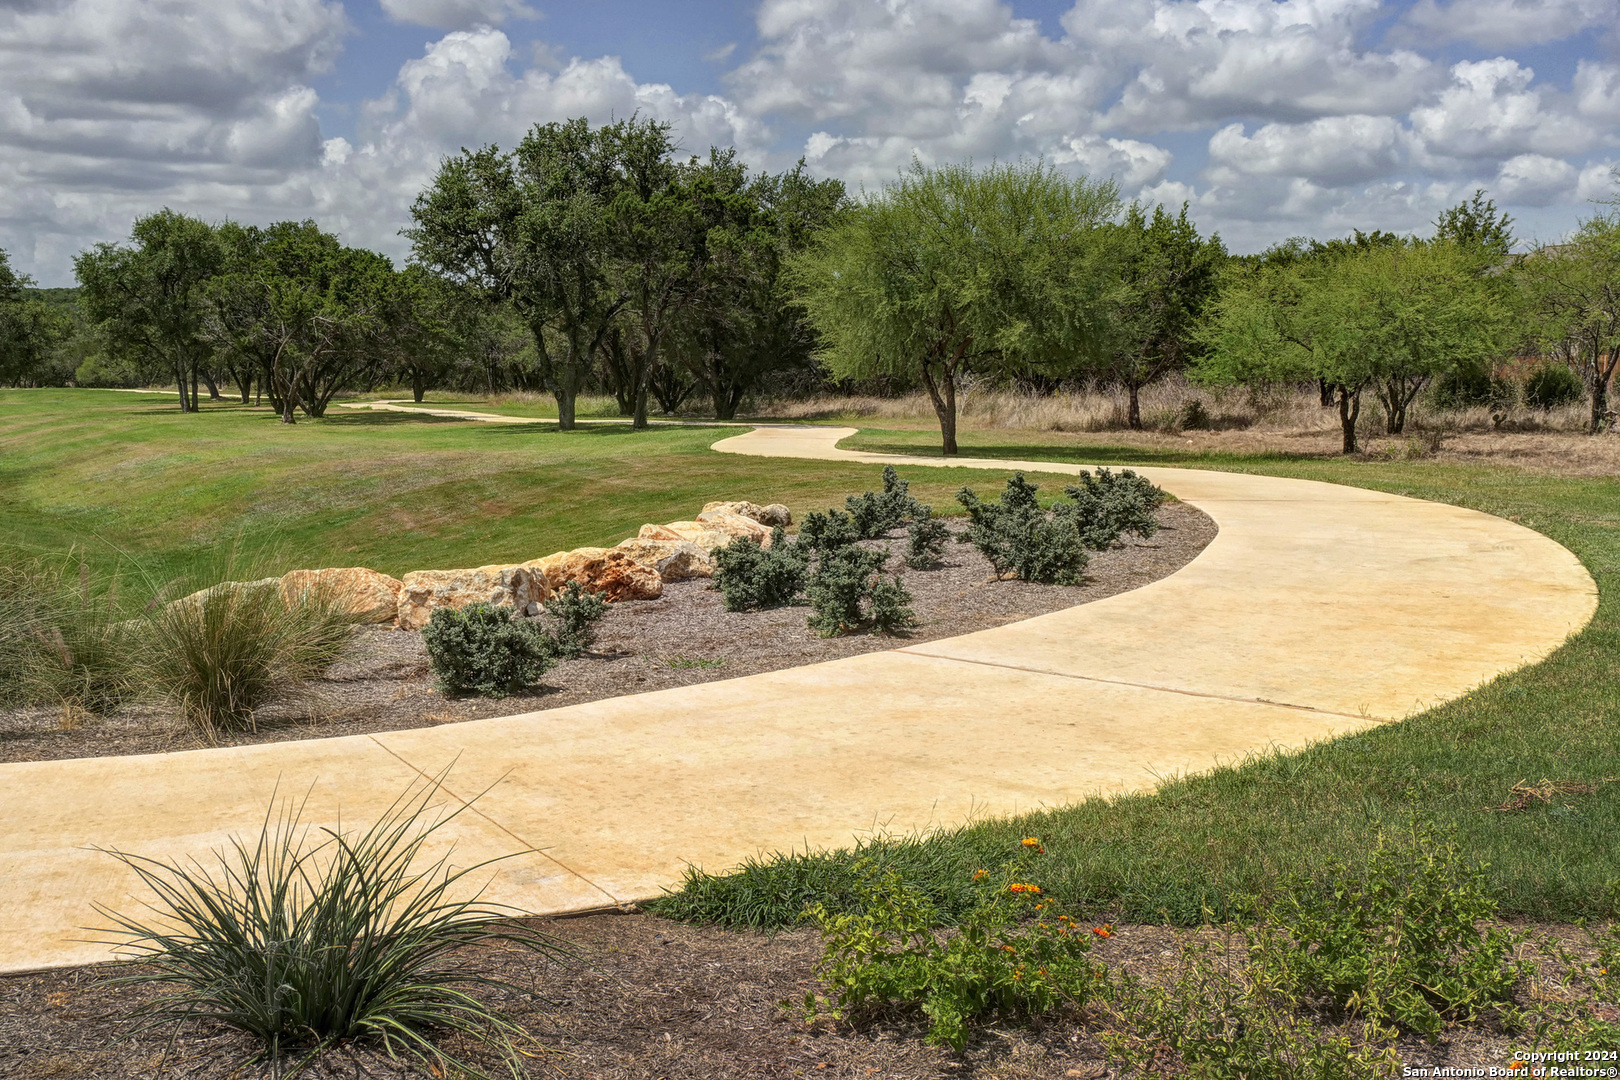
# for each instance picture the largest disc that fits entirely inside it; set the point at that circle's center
(1572, 292)
(952, 270)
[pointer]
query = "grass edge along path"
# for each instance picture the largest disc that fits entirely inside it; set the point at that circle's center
(1214, 844)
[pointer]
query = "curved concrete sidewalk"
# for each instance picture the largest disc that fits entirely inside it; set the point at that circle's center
(1317, 610)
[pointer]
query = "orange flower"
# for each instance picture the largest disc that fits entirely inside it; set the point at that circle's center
(980, 875)
(1105, 931)
(1034, 842)
(1008, 948)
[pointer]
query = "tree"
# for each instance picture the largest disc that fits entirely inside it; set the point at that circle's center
(1386, 317)
(1572, 294)
(531, 228)
(955, 270)
(1476, 223)
(32, 332)
(148, 300)
(1170, 273)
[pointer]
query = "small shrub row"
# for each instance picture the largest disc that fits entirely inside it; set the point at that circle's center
(1022, 540)
(485, 649)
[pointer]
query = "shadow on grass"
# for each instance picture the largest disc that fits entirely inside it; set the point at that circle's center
(377, 418)
(1092, 455)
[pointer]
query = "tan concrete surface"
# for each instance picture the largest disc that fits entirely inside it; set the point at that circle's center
(1317, 610)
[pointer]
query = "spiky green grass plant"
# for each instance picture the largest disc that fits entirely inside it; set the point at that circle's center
(305, 938)
(64, 636)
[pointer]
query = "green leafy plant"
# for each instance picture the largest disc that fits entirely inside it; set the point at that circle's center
(575, 612)
(1399, 941)
(65, 638)
(1014, 954)
(1107, 505)
(875, 513)
(925, 540)
(481, 649)
(222, 652)
(1205, 1017)
(1551, 386)
(822, 531)
(304, 939)
(1022, 540)
(848, 592)
(751, 576)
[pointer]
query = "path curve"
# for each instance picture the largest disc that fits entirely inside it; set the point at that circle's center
(1317, 610)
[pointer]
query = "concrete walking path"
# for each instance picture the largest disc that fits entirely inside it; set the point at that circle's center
(1318, 610)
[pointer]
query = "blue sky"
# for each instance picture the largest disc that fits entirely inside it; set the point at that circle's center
(1271, 118)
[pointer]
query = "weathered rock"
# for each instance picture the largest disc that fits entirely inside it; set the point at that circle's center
(366, 593)
(674, 560)
(608, 571)
(717, 529)
(423, 590)
(658, 532)
(769, 516)
(245, 586)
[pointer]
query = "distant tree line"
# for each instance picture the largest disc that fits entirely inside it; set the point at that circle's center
(599, 259)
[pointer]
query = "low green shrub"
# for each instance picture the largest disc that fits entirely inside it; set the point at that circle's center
(822, 531)
(1021, 539)
(482, 649)
(1194, 417)
(1205, 1016)
(750, 575)
(875, 513)
(1015, 954)
(65, 639)
(926, 537)
(1398, 941)
(1107, 505)
(1551, 386)
(575, 612)
(847, 593)
(305, 939)
(222, 652)
(1464, 389)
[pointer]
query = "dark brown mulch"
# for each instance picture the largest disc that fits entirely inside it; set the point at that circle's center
(647, 999)
(685, 637)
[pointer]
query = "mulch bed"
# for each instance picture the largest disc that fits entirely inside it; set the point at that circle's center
(685, 637)
(647, 999)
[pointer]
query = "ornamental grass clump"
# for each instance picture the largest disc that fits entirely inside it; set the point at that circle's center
(1016, 953)
(222, 652)
(483, 649)
(575, 612)
(65, 637)
(848, 592)
(304, 939)
(1108, 505)
(751, 576)
(1021, 540)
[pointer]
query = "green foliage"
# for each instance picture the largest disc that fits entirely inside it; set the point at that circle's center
(1207, 1018)
(482, 649)
(223, 651)
(1551, 386)
(750, 575)
(1107, 505)
(848, 592)
(951, 270)
(926, 537)
(1015, 954)
(1477, 223)
(575, 612)
(823, 531)
(303, 941)
(1571, 293)
(1464, 388)
(875, 513)
(65, 639)
(1021, 539)
(1398, 942)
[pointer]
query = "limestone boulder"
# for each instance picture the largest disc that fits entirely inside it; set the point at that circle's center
(202, 595)
(423, 590)
(371, 596)
(714, 529)
(673, 560)
(768, 516)
(610, 572)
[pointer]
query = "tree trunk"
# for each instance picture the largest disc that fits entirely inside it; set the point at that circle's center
(1600, 403)
(213, 387)
(1349, 413)
(942, 391)
(418, 386)
(194, 406)
(1325, 393)
(288, 415)
(565, 407)
(180, 381)
(1133, 416)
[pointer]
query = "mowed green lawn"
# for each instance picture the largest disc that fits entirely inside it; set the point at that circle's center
(1216, 841)
(98, 469)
